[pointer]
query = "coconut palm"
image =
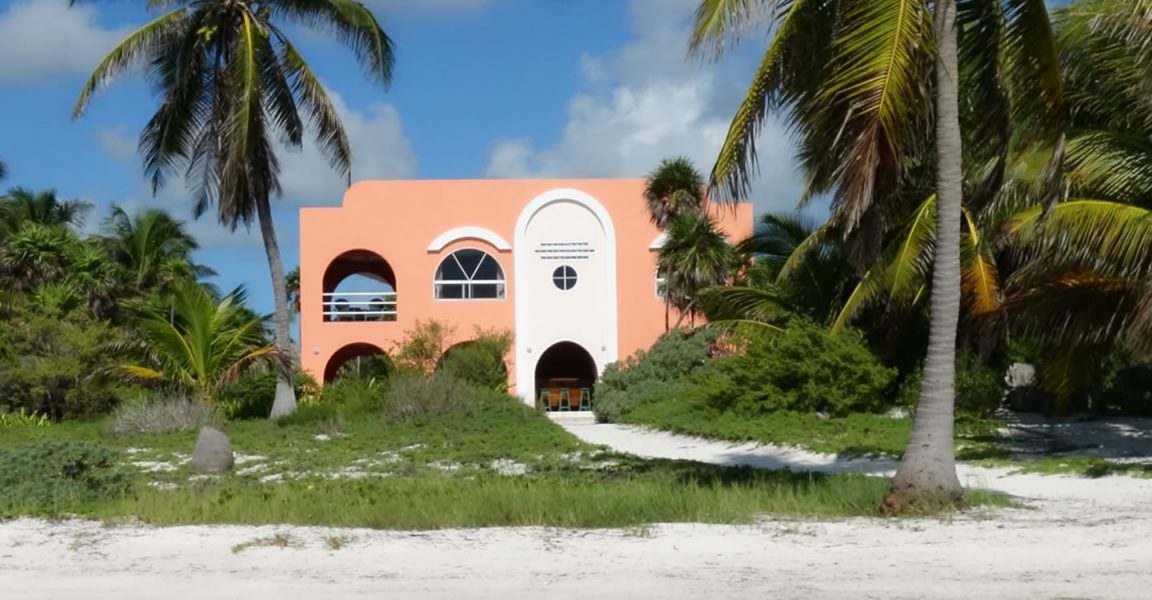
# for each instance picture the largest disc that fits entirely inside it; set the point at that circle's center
(152, 249)
(231, 82)
(695, 256)
(3, 171)
(198, 343)
(292, 287)
(868, 85)
(673, 188)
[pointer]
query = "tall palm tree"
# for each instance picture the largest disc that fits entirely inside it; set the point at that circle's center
(292, 287)
(198, 343)
(855, 78)
(231, 81)
(153, 250)
(695, 256)
(673, 188)
(21, 205)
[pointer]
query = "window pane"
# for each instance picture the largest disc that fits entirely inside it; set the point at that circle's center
(469, 261)
(489, 270)
(487, 290)
(450, 291)
(449, 270)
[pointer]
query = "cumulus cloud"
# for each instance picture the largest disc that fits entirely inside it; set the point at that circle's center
(117, 143)
(646, 101)
(44, 39)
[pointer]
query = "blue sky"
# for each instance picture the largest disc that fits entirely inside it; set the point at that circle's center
(482, 88)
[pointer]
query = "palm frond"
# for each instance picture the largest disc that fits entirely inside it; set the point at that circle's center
(1110, 165)
(350, 23)
(719, 20)
(1111, 238)
(803, 33)
(137, 46)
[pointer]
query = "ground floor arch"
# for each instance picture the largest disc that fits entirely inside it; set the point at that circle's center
(565, 375)
(352, 357)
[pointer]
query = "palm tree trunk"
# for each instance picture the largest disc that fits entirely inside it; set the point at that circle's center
(928, 468)
(285, 401)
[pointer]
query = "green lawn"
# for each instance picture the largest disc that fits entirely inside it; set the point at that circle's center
(505, 466)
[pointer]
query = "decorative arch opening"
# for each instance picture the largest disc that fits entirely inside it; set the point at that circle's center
(359, 285)
(361, 359)
(565, 375)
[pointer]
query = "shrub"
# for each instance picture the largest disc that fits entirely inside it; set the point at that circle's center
(252, 394)
(1128, 389)
(53, 477)
(803, 368)
(355, 395)
(49, 365)
(480, 362)
(647, 376)
(979, 387)
(414, 397)
(164, 415)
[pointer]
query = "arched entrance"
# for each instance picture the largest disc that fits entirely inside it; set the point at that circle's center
(359, 285)
(362, 358)
(565, 374)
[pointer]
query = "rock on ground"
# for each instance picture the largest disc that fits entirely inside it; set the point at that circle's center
(213, 453)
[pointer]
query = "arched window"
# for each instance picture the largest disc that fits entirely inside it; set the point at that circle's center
(469, 275)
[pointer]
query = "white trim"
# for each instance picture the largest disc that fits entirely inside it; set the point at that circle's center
(525, 361)
(461, 233)
(658, 243)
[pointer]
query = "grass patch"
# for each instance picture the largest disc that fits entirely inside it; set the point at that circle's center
(1084, 466)
(503, 464)
(858, 434)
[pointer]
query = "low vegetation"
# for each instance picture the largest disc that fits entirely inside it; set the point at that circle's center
(405, 459)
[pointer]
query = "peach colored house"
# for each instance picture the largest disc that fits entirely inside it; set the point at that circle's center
(568, 266)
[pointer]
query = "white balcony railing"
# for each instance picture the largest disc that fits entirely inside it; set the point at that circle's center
(360, 306)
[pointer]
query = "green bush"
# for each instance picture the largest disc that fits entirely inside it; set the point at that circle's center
(804, 368)
(415, 397)
(1128, 389)
(479, 362)
(252, 394)
(979, 387)
(51, 477)
(648, 376)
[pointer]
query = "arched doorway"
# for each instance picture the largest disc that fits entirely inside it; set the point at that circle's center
(565, 374)
(361, 358)
(359, 285)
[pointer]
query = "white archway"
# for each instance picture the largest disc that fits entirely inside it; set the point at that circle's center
(596, 328)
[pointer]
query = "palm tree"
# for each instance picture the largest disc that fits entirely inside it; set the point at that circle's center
(21, 205)
(198, 343)
(231, 81)
(153, 250)
(695, 256)
(3, 171)
(674, 188)
(855, 78)
(292, 287)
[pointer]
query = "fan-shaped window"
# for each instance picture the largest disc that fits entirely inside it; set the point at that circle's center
(469, 275)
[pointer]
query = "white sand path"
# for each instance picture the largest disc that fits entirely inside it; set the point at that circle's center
(1082, 539)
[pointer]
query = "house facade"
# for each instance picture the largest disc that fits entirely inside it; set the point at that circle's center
(567, 266)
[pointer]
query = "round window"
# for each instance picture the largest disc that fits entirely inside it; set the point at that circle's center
(564, 277)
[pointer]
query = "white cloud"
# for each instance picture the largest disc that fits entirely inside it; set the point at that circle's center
(117, 143)
(647, 101)
(44, 39)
